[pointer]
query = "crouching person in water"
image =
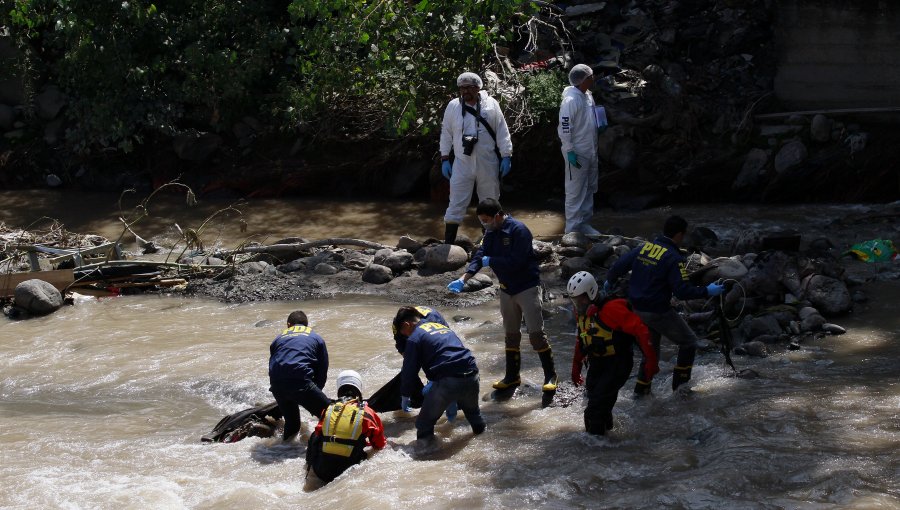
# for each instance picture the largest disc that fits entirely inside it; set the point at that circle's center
(347, 426)
(607, 330)
(434, 348)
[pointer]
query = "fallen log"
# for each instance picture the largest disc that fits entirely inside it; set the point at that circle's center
(280, 249)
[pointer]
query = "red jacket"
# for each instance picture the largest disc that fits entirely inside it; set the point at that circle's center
(616, 314)
(372, 430)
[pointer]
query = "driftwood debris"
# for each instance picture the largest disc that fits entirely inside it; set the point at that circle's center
(281, 249)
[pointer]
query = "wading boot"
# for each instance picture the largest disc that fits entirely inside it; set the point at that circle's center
(641, 389)
(513, 364)
(450, 230)
(550, 378)
(680, 375)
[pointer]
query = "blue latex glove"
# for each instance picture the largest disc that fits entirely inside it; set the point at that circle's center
(451, 412)
(456, 286)
(446, 169)
(427, 388)
(606, 287)
(714, 289)
(573, 159)
(505, 166)
(404, 404)
(485, 261)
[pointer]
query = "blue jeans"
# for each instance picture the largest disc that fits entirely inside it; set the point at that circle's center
(444, 391)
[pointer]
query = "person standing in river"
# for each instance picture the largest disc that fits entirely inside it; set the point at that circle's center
(658, 272)
(435, 349)
(607, 330)
(298, 369)
(577, 130)
(506, 249)
(475, 129)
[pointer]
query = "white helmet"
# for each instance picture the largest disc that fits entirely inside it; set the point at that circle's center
(582, 282)
(350, 378)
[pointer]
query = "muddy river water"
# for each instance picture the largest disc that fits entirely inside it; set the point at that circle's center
(103, 403)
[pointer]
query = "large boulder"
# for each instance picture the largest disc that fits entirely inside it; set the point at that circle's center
(829, 295)
(398, 261)
(445, 257)
(37, 297)
(377, 274)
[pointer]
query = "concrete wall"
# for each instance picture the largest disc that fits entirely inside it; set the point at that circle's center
(838, 53)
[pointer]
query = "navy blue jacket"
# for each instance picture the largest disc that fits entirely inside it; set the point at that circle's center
(298, 354)
(657, 272)
(434, 348)
(512, 257)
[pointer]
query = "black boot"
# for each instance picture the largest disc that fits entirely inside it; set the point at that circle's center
(450, 230)
(513, 364)
(550, 378)
(680, 375)
(641, 388)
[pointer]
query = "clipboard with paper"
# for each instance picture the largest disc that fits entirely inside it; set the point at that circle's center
(600, 117)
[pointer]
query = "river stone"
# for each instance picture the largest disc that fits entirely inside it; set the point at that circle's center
(765, 325)
(377, 274)
(753, 169)
(834, 329)
(356, 260)
(752, 348)
(382, 254)
(37, 297)
(575, 239)
(570, 251)
(820, 129)
(294, 265)
(829, 295)
(598, 253)
(409, 244)
(478, 282)
(325, 268)
(729, 268)
(790, 156)
(464, 242)
(747, 241)
(542, 250)
(812, 323)
(573, 265)
(806, 311)
(445, 257)
(399, 261)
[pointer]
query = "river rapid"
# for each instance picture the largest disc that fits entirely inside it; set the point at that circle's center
(103, 403)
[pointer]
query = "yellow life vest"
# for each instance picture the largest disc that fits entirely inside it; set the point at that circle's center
(341, 428)
(596, 337)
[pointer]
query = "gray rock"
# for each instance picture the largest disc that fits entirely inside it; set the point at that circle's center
(381, 255)
(790, 156)
(356, 260)
(749, 240)
(478, 282)
(820, 129)
(812, 323)
(764, 325)
(37, 297)
(753, 348)
(807, 311)
(726, 267)
(575, 239)
(834, 329)
(409, 244)
(377, 274)
(542, 251)
(573, 265)
(399, 261)
(598, 253)
(294, 265)
(325, 268)
(829, 295)
(753, 169)
(255, 267)
(53, 180)
(445, 257)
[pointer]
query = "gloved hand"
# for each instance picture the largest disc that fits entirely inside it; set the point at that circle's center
(505, 166)
(446, 169)
(405, 404)
(452, 409)
(456, 286)
(427, 388)
(714, 289)
(606, 287)
(485, 261)
(573, 159)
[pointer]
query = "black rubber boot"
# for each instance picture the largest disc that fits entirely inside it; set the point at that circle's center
(513, 364)
(550, 378)
(680, 376)
(450, 230)
(641, 388)
(594, 426)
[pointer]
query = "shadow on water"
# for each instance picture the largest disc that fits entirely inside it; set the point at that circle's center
(275, 450)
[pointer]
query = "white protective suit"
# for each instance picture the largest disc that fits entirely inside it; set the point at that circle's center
(481, 168)
(577, 131)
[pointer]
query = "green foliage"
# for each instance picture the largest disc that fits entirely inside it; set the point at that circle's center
(134, 70)
(369, 66)
(544, 92)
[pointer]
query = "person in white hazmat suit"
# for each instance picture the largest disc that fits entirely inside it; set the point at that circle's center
(481, 158)
(578, 133)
